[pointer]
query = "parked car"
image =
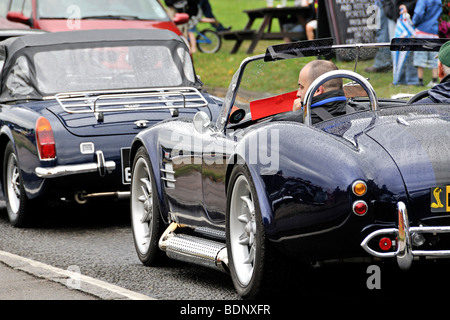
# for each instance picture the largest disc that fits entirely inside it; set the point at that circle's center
(71, 104)
(63, 15)
(6, 24)
(259, 198)
(8, 33)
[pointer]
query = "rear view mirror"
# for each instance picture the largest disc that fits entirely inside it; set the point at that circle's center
(201, 122)
(181, 18)
(18, 17)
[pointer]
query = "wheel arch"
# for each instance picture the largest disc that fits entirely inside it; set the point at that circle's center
(5, 137)
(265, 207)
(147, 142)
(137, 143)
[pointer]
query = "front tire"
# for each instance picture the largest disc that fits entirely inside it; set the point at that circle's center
(146, 221)
(18, 205)
(256, 268)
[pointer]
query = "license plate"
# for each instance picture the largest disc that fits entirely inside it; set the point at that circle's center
(440, 201)
(126, 168)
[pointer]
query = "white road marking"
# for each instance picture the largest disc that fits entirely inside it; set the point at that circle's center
(86, 284)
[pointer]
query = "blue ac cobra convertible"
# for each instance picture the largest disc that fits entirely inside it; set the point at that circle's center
(251, 195)
(71, 104)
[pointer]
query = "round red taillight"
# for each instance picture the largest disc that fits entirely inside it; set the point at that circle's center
(360, 208)
(385, 244)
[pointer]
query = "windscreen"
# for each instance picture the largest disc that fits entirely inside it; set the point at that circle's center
(267, 87)
(88, 9)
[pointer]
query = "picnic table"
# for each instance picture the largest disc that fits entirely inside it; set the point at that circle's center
(265, 30)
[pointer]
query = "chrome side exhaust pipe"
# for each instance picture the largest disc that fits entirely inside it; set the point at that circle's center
(196, 250)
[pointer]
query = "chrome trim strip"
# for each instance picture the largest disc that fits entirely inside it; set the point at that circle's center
(405, 254)
(167, 171)
(168, 180)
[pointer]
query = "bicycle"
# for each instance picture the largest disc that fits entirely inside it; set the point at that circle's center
(208, 41)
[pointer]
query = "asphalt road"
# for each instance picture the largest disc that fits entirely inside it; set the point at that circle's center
(98, 242)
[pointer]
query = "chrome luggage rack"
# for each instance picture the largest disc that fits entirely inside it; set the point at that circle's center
(99, 102)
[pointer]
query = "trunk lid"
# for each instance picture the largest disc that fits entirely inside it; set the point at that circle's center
(114, 123)
(420, 147)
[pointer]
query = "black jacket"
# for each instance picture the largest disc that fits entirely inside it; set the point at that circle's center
(335, 108)
(440, 93)
(187, 6)
(392, 11)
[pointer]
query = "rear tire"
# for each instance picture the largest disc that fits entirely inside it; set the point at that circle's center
(146, 221)
(257, 269)
(18, 206)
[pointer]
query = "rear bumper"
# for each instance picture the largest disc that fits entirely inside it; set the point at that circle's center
(101, 166)
(405, 253)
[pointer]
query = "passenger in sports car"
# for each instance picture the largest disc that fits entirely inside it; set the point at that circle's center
(440, 93)
(328, 101)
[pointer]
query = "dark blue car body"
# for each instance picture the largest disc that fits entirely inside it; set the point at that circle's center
(97, 90)
(251, 196)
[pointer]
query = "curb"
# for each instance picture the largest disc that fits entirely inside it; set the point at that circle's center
(71, 279)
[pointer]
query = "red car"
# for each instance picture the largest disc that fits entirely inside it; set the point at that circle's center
(5, 24)
(64, 15)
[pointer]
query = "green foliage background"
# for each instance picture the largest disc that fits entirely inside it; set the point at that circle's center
(216, 70)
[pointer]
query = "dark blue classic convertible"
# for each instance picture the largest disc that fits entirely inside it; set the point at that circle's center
(71, 104)
(251, 194)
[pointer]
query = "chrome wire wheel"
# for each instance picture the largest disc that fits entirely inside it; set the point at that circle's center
(243, 230)
(142, 205)
(13, 185)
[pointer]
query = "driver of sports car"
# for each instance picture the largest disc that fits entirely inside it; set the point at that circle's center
(328, 101)
(440, 93)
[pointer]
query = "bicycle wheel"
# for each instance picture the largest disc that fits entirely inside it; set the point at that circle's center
(208, 41)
